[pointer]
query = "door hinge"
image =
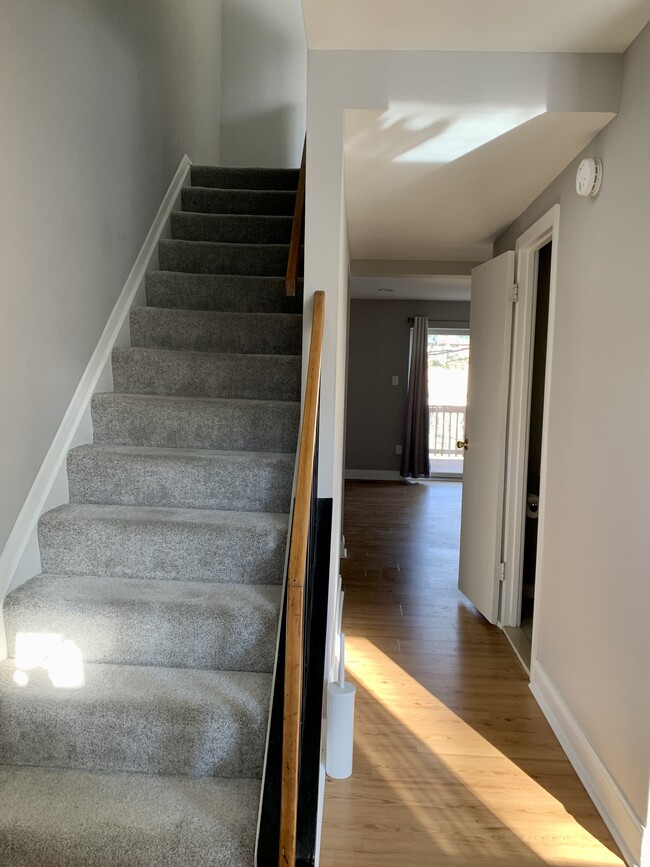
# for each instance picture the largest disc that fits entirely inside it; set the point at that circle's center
(501, 572)
(514, 293)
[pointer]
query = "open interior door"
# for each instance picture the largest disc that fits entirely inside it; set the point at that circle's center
(485, 430)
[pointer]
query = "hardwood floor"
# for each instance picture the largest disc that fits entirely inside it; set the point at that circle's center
(454, 763)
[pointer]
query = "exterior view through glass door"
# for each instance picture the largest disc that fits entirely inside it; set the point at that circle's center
(448, 354)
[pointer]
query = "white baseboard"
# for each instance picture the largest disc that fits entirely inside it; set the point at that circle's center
(624, 825)
(374, 475)
(321, 804)
(394, 476)
(20, 558)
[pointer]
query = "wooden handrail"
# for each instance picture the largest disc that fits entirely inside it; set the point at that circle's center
(293, 665)
(296, 232)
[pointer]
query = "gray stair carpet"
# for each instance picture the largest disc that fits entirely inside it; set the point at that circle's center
(134, 703)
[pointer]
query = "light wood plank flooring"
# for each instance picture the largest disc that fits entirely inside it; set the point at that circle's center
(454, 762)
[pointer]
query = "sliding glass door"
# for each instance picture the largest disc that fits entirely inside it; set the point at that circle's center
(448, 353)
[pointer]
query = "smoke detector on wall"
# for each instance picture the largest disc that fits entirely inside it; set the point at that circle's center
(589, 177)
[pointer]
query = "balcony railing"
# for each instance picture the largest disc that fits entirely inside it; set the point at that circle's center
(446, 427)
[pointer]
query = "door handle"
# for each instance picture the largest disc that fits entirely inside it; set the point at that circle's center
(462, 444)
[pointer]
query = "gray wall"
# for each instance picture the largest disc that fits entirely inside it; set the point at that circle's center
(594, 597)
(378, 350)
(264, 82)
(99, 101)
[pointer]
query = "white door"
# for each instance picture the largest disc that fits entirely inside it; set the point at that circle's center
(485, 430)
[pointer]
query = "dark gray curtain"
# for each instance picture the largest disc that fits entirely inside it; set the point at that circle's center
(415, 456)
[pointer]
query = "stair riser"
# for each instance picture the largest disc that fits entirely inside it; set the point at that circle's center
(164, 550)
(65, 729)
(183, 330)
(244, 178)
(252, 377)
(174, 423)
(153, 632)
(231, 229)
(186, 482)
(261, 202)
(198, 257)
(223, 293)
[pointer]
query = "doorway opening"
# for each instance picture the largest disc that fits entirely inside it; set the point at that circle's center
(448, 364)
(528, 411)
(534, 450)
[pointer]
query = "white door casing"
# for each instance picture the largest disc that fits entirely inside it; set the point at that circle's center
(486, 431)
(540, 233)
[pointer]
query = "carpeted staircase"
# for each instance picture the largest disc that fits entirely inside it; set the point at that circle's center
(139, 742)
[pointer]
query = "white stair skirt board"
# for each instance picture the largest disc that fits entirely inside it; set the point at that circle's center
(623, 823)
(20, 559)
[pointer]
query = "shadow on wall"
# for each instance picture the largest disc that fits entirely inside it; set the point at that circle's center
(264, 138)
(264, 81)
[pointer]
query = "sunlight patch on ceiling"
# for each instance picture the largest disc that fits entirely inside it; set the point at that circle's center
(412, 195)
(450, 136)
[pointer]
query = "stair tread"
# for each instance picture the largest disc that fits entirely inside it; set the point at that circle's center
(193, 353)
(201, 454)
(263, 279)
(279, 171)
(215, 315)
(186, 291)
(50, 588)
(135, 683)
(170, 623)
(245, 178)
(213, 245)
(215, 200)
(190, 478)
(72, 818)
(188, 401)
(164, 543)
(164, 515)
(215, 216)
(216, 331)
(100, 716)
(219, 279)
(267, 192)
(207, 374)
(219, 257)
(195, 422)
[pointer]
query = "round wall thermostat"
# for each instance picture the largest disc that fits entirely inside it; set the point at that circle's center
(589, 177)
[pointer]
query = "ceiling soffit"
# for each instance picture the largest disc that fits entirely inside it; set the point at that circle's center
(444, 185)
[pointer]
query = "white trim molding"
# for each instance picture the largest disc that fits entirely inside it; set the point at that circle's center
(546, 229)
(20, 558)
(625, 826)
(394, 476)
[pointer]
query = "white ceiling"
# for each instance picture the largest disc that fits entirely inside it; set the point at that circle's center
(410, 288)
(475, 25)
(444, 184)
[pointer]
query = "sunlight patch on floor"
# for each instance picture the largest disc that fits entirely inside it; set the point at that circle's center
(558, 838)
